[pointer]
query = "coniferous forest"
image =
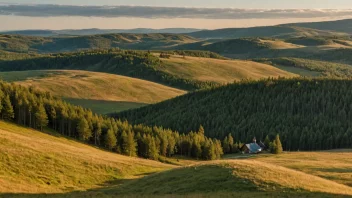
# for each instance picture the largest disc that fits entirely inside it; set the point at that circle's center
(309, 114)
(39, 110)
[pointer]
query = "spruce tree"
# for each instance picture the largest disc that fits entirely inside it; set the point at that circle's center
(7, 112)
(231, 143)
(278, 149)
(110, 139)
(84, 133)
(225, 145)
(41, 118)
(129, 145)
(152, 149)
(267, 142)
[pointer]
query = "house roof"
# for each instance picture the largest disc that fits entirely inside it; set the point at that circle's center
(253, 147)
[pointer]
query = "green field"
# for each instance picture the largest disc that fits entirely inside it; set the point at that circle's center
(35, 164)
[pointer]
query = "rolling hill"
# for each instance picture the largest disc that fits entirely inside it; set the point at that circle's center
(18, 43)
(183, 72)
(116, 92)
(82, 32)
(297, 109)
(310, 67)
(337, 26)
(35, 162)
(330, 28)
(219, 71)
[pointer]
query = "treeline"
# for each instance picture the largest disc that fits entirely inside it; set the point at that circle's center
(326, 69)
(137, 64)
(308, 114)
(194, 53)
(39, 110)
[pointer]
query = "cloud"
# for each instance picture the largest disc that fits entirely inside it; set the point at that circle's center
(166, 12)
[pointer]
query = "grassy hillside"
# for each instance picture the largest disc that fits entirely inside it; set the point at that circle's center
(219, 71)
(17, 43)
(112, 93)
(34, 162)
(307, 67)
(92, 85)
(137, 64)
(334, 165)
(244, 178)
(279, 31)
(337, 26)
(308, 114)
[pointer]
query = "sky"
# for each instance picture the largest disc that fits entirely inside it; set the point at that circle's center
(157, 14)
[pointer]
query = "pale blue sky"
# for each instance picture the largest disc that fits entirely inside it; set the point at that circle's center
(332, 4)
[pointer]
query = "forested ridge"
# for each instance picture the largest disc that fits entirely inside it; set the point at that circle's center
(326, 69)
(309, 114)
(138, 64)
(39, 110)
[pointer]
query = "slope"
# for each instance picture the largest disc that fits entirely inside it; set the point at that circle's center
(310, 67)
(338, 26)
(148, 66)
(93, 86)
(308, 114)
(34, 162)
(219, 71)
(232, 178)
(279, 31)
(18, 43)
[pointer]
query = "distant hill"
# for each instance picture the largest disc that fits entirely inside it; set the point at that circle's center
(337, 26)
(217, 70)
(94, 31)
(137, 64)
(310, 67)
(18, 43)
(114, 93)
(331, 28)
(178, 71)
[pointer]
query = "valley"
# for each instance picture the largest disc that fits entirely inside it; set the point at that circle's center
(63, 167)
(177, 112)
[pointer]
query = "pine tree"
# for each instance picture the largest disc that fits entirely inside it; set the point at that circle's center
(231, 143)
(84, 133)
(226, 146)
(41, 118)
(201, 130)
(267, 142)
(152, 149)
(129, 145)
(278, 149)
(110, 140)
(7, 112)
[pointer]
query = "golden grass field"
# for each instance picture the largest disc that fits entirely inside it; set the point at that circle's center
(35, 164)
(93, 85)
(220, 71)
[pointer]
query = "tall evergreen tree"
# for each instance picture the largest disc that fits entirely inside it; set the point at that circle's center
(110, 140)
(278, 149)
(83, 130)
(129, 145)
(7, 112)
(41, 118)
